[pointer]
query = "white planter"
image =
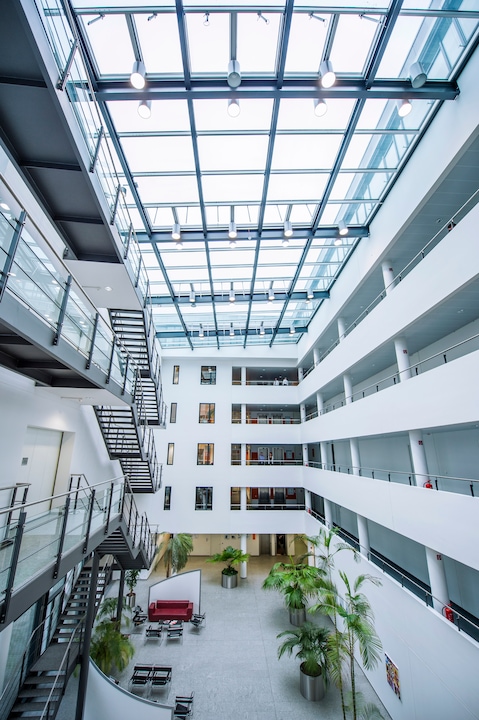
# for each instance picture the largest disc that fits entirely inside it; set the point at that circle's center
(311, 688)
(229, 581)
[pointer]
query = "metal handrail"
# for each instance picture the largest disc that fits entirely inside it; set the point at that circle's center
(66, 657)
(428, 478)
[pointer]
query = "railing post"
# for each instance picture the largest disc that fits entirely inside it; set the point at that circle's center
(110, 500)
(63, 77)
(123, 390)
(13, 564)
(110, 364)
(128, 241)
(97, 149)
(90, 514)
(63, 310)
(11, 251)
(115, 205)
(93, 340)
(61, 541)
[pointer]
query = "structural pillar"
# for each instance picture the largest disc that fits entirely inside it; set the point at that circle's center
(305, 455)
(402, 359)
(85, 653)
(324, 455)
(437, 580)
(243, 414)
(244, 549)
(307, 500)
(121, 589)
(341, 328)
(328, 513)
(388, 276)
(355, 459)
(348, 388)
(243, 376)
(315, 356)
(302, 412)
(418, 455)
(243, 453)
(243, 498)
(363, 535)
(272, 544)
(319, 403)
(300, 374)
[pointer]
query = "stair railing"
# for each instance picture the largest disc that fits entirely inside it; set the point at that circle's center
(61, 678)
(13, 504)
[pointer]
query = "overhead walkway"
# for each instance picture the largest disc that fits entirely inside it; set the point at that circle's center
(43, 540)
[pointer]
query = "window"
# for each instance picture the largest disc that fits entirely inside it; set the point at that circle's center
(235, 503)
(167, 505)
(171, 453)
(207, 413)
(204, 498)
(236, 414)
(173, 412)
(235, 454)
(176, 374)
(206, 454)
(208, 375)
(236, 376)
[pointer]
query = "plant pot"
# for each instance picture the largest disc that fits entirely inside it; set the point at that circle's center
(311, 688)
(229, 581)
(297, 617)
(131, 599)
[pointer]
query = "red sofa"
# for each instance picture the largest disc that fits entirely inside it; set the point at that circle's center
(170, 610)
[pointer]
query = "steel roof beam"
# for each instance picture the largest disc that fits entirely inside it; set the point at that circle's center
(188, 236)
(240, 332)
(258, 297)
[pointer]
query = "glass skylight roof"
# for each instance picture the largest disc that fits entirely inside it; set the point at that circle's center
(276, 161)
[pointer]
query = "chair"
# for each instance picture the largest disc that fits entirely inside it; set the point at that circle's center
(153, 632)
(175, 631)
(141, 676)
(160, 677)
(183, 706)
(198, 620)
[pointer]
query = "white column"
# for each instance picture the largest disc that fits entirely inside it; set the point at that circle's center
(437, 579)
(363, 535)
(418, 455)
(388, 276)
(307, 500)
(341, 328)
(328, 513)
(311, 556)
(5, 637)
(243, 498)
(348, 388)
(243, 376)
(243, 453)
(272, 544)
(355, 459)
(305, 455)
(315, 356)
(244, 549)
(324, 454)
(302, 412)
(319, 402)
(300, 374)
(243, 414)
(402, 359)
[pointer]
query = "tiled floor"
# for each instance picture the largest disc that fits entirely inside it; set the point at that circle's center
(231, 664)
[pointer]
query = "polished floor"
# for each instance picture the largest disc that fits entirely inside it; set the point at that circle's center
(231, 664)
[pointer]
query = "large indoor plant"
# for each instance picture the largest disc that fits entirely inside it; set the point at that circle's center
(311, 642)
(231, 556)
(131, 579)
(175, 550)
(297, 582)
(110, 649)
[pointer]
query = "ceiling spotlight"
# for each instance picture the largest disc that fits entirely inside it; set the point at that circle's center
(100, 17)
(309, 295)
(138, 74)
(201, 332)
(417, 75)
(232, 232)
(232, 296)
(342, 228)
(288, 229)
(338, 242)
(270, 295)
(292, 330)
(176, 232)
(262, 17)
(261, 330)
(285, 242)
(327, 74)
(232, 332)
(233, 108)
(144, 109)
(192, 296)
(206, 19)
(320, 107)
(234, 74)
(404, 108)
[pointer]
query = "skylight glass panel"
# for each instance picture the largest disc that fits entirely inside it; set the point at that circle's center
(236, 152)
(401, 47)
(166, 115)
(159, 154)
(306, 42)
(257, 41)
(172, 190)
(302, 214)
(160, 217)
(211, 115)
(298, 114)
(246, 215)
(352, 42)
(296, 188)
(160, 44)
(232, 188)
(208, 44)
(308, 152)
(241, 257)
(111, 44)
(189, 216)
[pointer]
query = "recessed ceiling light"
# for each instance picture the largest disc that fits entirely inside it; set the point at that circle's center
(108, 288)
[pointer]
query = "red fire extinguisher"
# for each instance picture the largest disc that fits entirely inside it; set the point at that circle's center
(448, 613)
(428, 484)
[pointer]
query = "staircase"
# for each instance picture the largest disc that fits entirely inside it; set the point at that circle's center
(126, 429)
(48, 676)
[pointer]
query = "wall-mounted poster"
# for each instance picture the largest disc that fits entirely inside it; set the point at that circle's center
(392, 675)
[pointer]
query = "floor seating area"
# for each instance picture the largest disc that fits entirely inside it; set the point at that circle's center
(150, 677)
(198, 620)
(183, 706)
(159, 610)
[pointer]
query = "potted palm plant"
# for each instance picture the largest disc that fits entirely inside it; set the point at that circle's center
(231, 556)
(110, 648)
(311, 642)
(176, 550)
(131, 579)
(297, 581)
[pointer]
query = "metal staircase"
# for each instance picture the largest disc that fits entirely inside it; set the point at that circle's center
(126, 430)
